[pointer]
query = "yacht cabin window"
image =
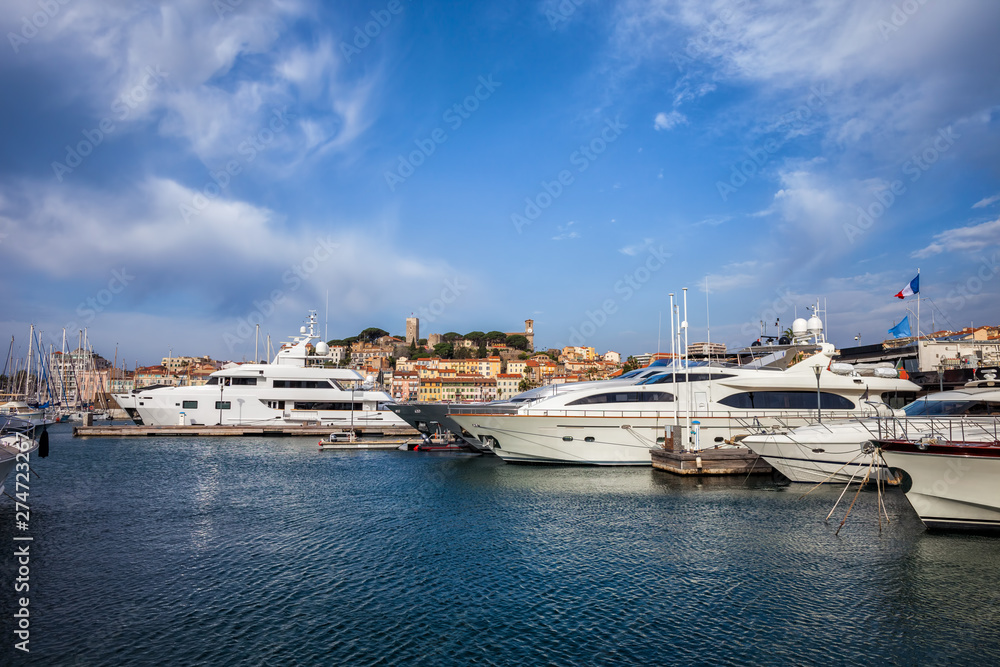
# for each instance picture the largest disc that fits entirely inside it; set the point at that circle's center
(786, 400)
(624, 397)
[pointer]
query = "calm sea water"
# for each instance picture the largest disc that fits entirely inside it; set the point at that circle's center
(267, 551)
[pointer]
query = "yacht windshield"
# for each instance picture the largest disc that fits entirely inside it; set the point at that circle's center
(923, 408)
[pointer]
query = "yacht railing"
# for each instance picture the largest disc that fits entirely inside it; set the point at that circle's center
(951, 429)
(776, 418)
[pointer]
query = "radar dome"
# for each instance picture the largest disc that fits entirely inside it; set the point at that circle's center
(799, 327)
(322, 349)
(302, 330)
(815, 325)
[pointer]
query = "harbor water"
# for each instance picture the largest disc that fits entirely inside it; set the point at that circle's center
(267, 551)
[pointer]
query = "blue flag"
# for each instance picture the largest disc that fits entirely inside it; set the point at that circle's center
(901, 330)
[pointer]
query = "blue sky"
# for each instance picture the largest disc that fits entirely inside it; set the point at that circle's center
(174, 172)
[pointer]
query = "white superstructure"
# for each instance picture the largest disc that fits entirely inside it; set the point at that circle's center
(295, 388)
(715, 403)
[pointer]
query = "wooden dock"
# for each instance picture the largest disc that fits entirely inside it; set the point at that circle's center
(673, 458)
(274, 430)
(722, 461)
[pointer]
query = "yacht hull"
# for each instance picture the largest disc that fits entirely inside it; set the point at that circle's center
(950, 486)
(810, 455)
(607, 440)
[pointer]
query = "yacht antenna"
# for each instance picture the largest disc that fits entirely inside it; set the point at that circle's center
(326, 324)
(708, 326)
(256, 338)
(659, 328)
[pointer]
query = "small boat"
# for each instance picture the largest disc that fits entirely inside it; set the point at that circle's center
(952, 485)
(16, 440)
(21, 410)
(338, 437)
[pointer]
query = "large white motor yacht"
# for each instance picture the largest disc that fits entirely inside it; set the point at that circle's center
(714, 403)
(296, 388)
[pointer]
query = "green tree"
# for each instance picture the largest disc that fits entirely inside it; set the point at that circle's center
(443, 350)
(451, 337)
(496, 337)
(517, 341)
(477, 337)
(630, 364)
(372, 334)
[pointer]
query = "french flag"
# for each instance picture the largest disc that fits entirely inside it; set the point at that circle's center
(911, 289)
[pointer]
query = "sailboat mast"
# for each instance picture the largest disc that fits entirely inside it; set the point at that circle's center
(27, 374)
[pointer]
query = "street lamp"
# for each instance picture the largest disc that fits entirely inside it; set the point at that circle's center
(819, 413)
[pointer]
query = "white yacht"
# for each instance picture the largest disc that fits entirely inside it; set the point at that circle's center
(17, 443)
(951, 484)
(715, 403)
(839, 451)
(432, 418)
(296, 388)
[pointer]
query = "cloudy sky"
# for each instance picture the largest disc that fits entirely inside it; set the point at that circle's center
(174, 172)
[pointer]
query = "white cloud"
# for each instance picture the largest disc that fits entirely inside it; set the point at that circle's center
(565, 233)
(668, 121)
(986, 201)
(636, 248)
(963, 239)
(885, 91)
(230, 253)
(225, 72)
(714, 220)
(737, 276)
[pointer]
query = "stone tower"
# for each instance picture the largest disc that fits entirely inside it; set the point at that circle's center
(529, 333)
(412, 330)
